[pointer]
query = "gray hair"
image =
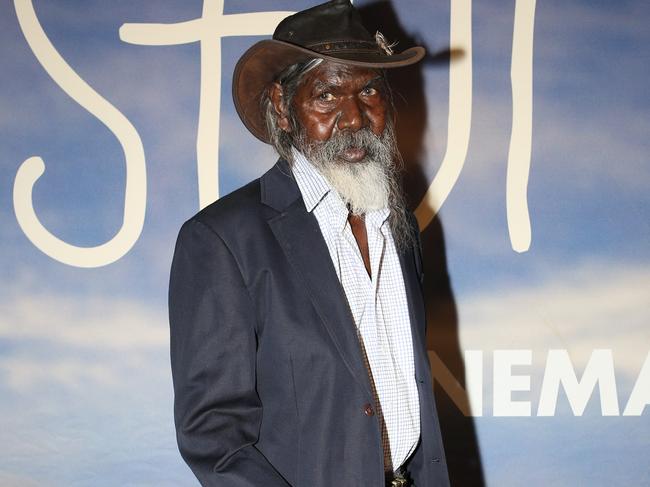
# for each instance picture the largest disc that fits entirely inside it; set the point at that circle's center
(289, 79)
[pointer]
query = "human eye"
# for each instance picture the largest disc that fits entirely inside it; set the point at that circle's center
(326, 96)
(369, 91)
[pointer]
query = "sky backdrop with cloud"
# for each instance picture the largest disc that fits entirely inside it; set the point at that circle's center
(85, 385)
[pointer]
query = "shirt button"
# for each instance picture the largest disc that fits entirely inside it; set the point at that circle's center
(368, 411)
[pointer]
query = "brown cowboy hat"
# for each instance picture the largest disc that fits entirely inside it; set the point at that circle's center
(331, 31)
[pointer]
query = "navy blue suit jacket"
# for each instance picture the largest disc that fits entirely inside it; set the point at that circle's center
(269, 381)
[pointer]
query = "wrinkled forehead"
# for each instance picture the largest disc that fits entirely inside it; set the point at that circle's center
(336, 74)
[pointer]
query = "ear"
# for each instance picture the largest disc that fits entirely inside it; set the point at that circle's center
(277, 99)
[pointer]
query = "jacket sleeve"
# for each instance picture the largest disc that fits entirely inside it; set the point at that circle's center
(217, 411)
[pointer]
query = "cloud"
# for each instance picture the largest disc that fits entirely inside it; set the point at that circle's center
(85, 381)
(104, 322)
(599, 304)
(79, 342)
(28, 371)
(11, 480)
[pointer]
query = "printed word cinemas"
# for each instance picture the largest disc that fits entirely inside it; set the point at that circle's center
(512, 371)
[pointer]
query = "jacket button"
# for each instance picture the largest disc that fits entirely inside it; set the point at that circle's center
(368, 411)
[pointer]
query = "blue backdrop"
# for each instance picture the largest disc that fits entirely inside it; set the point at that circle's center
(539, 344)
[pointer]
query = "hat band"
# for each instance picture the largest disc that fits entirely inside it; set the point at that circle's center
(339, 46)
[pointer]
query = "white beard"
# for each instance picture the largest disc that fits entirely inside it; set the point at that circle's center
(371, 184)
(363, 186)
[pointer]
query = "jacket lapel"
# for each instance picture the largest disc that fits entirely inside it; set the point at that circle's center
(299, 235)
(411, 271)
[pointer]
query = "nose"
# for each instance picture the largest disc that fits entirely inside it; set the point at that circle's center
(350, 116)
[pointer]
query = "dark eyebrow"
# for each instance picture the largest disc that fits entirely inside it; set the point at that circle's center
(321, 86)
(374, 80)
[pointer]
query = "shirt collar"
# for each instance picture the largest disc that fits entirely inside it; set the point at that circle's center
(313, 186)
(377, 218)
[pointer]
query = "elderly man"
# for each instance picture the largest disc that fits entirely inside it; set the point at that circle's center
(297, 320)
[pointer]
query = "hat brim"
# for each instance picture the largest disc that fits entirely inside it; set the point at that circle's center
(261, 64)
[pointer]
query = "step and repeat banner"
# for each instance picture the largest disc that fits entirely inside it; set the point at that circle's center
(525, 133)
